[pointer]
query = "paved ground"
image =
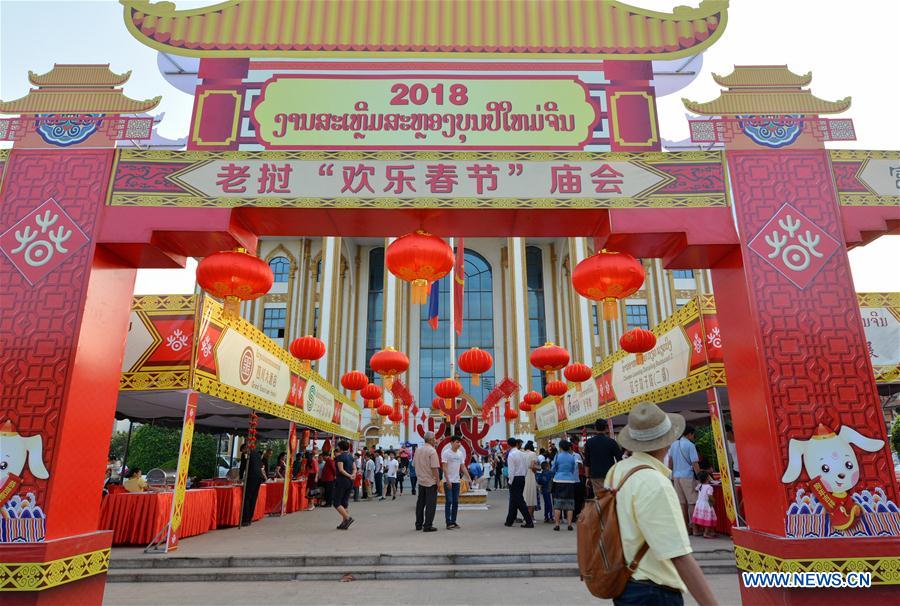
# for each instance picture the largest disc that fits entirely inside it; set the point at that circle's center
(489, 592)
(385, 527)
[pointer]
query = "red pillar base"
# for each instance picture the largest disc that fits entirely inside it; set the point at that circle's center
(761, 552)
(61, 571)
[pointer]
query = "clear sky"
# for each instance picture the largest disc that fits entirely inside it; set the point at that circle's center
(851, 47)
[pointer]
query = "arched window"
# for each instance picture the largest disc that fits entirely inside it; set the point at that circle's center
(537, 317)
(374, 318)
(281, 268)
(478, 331)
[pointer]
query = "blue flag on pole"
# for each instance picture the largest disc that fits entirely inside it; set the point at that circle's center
(433, 304)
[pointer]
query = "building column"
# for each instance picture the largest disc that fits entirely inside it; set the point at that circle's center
(330, 285)
(520, 369)
(582, 331)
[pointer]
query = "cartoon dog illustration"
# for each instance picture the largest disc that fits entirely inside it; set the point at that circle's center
(15, 450)
(831, 465)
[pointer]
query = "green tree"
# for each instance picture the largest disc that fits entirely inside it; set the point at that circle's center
(117, 444)
(706, 446)
(895, 435)
(153, 446)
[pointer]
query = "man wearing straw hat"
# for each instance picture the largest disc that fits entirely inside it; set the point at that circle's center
(648, 512)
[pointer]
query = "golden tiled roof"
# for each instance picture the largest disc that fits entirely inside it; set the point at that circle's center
(382, 28)
(77, 101)
(772, 101)
(762, 75)
(71, 74)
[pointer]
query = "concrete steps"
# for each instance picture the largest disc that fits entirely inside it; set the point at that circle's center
(365, 567)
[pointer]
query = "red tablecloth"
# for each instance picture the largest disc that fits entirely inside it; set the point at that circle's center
(723, 524)
(136, 518)
(228, 505)
(261, 502)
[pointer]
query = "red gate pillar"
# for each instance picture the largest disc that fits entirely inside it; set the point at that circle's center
(806, 413)
(64, 313)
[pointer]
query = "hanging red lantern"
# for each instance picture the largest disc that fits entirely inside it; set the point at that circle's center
(532, 398)
(557, 388)
(354, 381)
(234, 276)
(608, 276)
(396, 414)
(549, 358)
(419, 258)
(389, 363)
(449, 390)
(375, 404)
(638, 341)
(385, 409)
(524, 406)
(578, 373)
(510, 413)
(438, 405)
(476, 362)
(306, 349)
(370, 393)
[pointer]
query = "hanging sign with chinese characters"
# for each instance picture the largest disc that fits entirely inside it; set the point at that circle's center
(426, 112)
(323, 180)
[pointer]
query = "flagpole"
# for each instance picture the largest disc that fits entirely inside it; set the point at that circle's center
(452, 314)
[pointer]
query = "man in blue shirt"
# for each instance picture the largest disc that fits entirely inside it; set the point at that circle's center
(684, 463)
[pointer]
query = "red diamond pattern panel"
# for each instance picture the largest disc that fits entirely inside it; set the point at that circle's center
(39, 324)
(815, 353)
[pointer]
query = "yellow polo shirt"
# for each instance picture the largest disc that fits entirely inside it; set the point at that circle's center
(648, 510)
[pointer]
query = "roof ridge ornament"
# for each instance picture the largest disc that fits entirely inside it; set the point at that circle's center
(615, 30)
(768, 105)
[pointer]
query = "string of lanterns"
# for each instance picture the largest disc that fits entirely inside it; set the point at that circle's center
(421, 258)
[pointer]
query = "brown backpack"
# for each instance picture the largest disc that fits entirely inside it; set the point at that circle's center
(601, 561)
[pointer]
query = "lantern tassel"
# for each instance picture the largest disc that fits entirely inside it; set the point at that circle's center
(419, 292)
(232, 307)
(353, 395)
(388, 381)
(610, 309)
(639, 357)
(476, 379)
(578, 387)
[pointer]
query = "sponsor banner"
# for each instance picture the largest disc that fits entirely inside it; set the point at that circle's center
(235, 361)
(350, 418)
(580, 404)
(318, 402)
(426, 112)
(249, 367)
(665, 364)
(688, 358)
(546, 416)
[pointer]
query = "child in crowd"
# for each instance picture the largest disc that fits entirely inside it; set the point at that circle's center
(545, 482)
(704, 513)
